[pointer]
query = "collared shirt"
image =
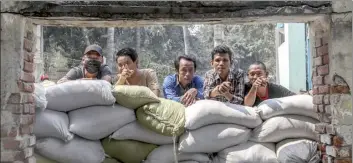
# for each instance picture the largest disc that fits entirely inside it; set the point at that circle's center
(235, 77)
(174, 91)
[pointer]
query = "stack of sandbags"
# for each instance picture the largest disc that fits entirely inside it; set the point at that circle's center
(286, 118)
(159, 122)
(78, 114)
(213, 126)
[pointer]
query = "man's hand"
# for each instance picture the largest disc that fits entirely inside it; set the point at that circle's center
(189, 97)
(126, 73)
(224, 88)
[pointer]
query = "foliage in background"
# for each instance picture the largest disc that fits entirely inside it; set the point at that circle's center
(159, 45)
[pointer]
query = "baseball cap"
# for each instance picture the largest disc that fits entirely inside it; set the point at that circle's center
(94, 47)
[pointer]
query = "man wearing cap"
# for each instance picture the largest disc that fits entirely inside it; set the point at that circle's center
(91, 67)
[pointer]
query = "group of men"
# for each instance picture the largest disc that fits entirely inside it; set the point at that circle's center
(221, 83)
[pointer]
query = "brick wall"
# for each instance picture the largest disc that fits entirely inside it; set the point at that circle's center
(18, 114)
(333, 146)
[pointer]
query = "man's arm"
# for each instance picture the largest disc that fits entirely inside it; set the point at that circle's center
(284, 91)
(71, 75)
(199, 86)
(106, 74)
(169, 90)
(250, 98)
(238, 96)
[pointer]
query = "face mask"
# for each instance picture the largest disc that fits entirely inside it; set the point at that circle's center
(92, 66)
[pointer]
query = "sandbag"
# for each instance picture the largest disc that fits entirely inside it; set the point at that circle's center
(78, 150)
(39, 97)
(110, 160)
(279, 128)
(97, 122)
(213, 138)
(166, 118)
(128, 151)
(134, 131)
(49, 123)
(165, 154)
(296, 105)
(248, 152)
(205, 112)
(41, 159)
(76, 94)
(298, 151)
(133, 96)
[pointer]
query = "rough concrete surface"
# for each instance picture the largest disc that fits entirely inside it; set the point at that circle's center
(12, 32)
(341, 47)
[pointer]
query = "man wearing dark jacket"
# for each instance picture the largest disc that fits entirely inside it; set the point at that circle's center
(91, 67)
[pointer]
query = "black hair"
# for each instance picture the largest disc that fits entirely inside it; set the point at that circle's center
(127, 52)
(261, 64)
(221, 49)
(92, 66)
(177, 61)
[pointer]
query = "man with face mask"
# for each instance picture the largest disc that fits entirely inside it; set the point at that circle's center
(91, 67)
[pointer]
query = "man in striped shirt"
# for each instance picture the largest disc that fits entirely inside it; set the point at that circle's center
(223, 83)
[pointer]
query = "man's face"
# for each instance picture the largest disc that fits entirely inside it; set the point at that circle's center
(94, 56)
(186, 71)
(124, 61)
(221, 63)
(256, 71)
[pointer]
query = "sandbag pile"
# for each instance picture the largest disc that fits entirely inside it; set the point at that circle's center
(77, 115)
(289, 123)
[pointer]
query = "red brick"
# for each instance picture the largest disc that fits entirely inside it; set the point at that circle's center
(28, 56)
(28, 66)
(322, 50)
(328, 109)
(314, 72)
(325, 40)
(343, 160)
(10, 143)
(27, 98)
(25, 87)
(337, 141)
(318, 61)
(325, 59)
(340, 89)
(330, 129)
(323, 70)
(318, 42)
(318, 99)
(27, 45)
(27, 77)
(29, 108)
(27, 119)
(9, 131)
(327, 80)
(318, 80)
(324, 89)
(315, 90)
(320, 128)
(327, 99)
(324, 118)
(26, 129)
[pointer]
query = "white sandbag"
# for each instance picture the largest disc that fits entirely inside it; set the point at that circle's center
(297, 105)
(165, 154)
(97, 122)
(213, 138)
(189, 162)
(134, 131)
(39, 97)
(248, 152)
(298, 151)
(205, 112)
(279, 128)
(78, 150)
(79, 93)
(49, 123)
